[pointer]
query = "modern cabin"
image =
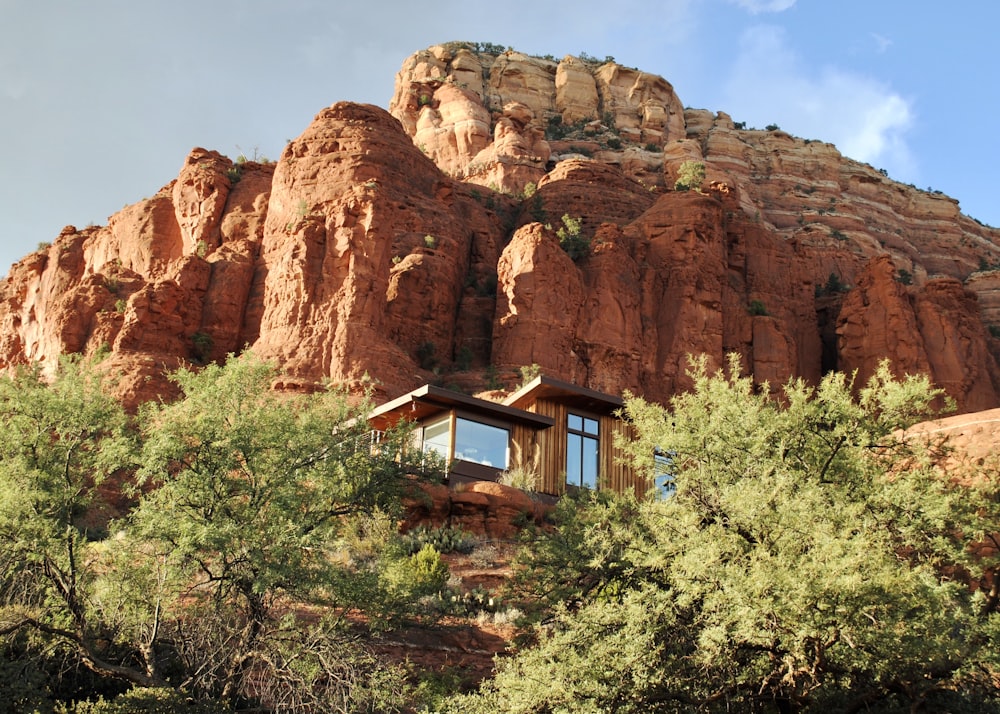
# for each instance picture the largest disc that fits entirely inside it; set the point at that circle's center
(562, 435)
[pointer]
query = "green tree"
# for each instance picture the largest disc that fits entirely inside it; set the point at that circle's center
(577, 246)
(63, 441)
(227, 580)
(805, 562)
(690, 176)
(252, 491)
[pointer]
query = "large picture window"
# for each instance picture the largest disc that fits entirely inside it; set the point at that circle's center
(581, 451)
(475, 442)
(481, 443)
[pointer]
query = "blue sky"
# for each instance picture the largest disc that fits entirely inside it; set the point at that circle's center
(101, 100)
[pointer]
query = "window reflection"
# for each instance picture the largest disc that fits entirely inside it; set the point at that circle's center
(581, 451)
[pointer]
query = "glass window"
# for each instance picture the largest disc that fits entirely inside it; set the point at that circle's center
(481, 443)
(663, 473)
(436, 437)
(581, 451)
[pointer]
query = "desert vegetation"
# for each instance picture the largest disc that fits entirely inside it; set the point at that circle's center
(237, 549)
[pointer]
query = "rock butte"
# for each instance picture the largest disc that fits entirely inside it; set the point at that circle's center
(386, 249)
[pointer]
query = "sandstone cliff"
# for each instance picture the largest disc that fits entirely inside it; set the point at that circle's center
(392, 248)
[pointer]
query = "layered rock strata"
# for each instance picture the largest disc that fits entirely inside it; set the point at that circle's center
(386, 250)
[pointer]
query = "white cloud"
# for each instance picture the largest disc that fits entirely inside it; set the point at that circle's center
(755, 7)
(865, 118)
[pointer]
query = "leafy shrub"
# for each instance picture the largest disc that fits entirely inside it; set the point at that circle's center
(463, 359)
(201, 346)
(904, 276)
(690, 176)
(493, 380)
(422, 573)
(147, 701)
(425, 355)
(757, 308)
(520, 477)
(444, 540)
(570, 240)
(529, 372)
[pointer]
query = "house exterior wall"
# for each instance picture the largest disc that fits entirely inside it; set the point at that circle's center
(550, 447)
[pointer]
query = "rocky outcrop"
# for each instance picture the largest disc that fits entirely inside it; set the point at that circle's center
(515, 210)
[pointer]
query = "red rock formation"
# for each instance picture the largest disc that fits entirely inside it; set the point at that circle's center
(375, 251)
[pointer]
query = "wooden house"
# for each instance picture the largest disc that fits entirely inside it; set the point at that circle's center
(559, 434)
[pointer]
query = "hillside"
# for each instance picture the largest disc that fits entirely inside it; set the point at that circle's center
(391, 248)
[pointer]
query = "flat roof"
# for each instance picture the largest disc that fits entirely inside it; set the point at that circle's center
(543, 387)
(428, 400)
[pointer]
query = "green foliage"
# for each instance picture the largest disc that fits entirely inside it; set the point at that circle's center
(839, 235)
(690, 176)
(522, 477)
(995, 331)
(833, 285)
(201, 346)
(804, 563)
(904, 276)
(772, 127)
(445, 539)
(493, 380)
(576, 246)
(147, 701)
(426, 355)
(244, 497)
(463, 359)
(529, 372)
(757, 308)
(423, 573)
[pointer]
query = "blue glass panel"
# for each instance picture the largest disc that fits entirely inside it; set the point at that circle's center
(574, 462)
(589, 470)
(481, 443)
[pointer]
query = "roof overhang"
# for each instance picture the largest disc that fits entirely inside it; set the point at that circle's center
(543, 387)
(428, 400)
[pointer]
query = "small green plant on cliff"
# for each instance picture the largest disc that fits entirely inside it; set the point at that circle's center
(833, 285)
(201, 346)
(493, 380)
(430, 241)
(463, 359)
(995, 331)
(690, 176)
(529, 372)
(904, 276)
(426, 357)
(757, 308)
(576, 246)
